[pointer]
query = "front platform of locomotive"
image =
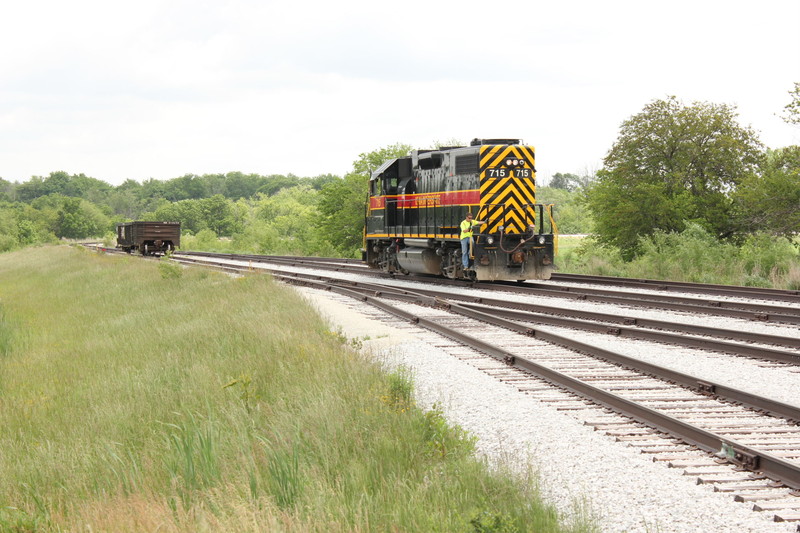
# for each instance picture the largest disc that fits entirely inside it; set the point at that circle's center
(417, 203)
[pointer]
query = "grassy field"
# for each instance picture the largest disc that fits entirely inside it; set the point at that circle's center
(694, 256)
(137, 396)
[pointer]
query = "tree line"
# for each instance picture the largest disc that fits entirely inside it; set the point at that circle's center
(672, 167)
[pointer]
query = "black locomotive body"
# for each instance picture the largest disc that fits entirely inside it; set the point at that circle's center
(416, 205)
(149, 238)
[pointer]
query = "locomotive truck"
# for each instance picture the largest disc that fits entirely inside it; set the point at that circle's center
(416, 204)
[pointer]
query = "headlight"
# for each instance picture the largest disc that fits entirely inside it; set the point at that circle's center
(542, 239)
(489, 240)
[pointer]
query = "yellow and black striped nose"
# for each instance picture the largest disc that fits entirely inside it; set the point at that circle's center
(507, 188)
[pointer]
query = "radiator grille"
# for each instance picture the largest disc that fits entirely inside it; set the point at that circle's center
(467, 164)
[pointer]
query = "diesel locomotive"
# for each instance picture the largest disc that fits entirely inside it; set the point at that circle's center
(416, 205)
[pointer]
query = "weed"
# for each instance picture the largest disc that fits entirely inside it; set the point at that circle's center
(194, 454)
(401, 388)
(125, 469)
(694, 255)
(284, 474)
(169, 269)
(443, 440)
(486, 522)
(356, 343)
(338, 335)
(247, 395)
(6, 334)
(15, 520)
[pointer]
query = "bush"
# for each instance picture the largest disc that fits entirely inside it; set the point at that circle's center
(693, 255)
(169, 269)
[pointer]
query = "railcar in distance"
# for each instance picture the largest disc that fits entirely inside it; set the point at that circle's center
(149, 238)
(416, 205)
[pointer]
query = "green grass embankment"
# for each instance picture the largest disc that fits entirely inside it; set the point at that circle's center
(694, 256)
(135, 396)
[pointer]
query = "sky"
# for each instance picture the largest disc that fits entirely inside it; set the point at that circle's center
(163, 88)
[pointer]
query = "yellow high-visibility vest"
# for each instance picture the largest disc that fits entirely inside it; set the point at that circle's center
(466, 228)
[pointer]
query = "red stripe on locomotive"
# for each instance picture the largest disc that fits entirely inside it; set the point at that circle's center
(413, 201)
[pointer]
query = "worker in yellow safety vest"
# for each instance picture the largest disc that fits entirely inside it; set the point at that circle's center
(466, 238)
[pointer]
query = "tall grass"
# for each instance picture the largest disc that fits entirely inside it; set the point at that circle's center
(696, 256)
(135, 400)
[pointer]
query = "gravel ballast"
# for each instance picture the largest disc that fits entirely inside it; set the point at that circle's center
(581, 471)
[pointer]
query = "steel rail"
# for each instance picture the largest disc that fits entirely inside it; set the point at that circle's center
(785, 295)
(759, 403)
(761, 353)
(750, 311)
(721, 333)
(747, 311)
(788, 295)
(650, 284)
(745, 456)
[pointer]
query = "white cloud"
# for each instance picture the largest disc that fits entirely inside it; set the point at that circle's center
(160, 89)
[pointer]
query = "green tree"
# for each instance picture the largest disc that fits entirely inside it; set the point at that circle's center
(286, 223)
(342, 202)
(125, 201)
(8, 229)
(318, 182)
(187, 212)
(31, 189)
(7, 191)
(218, 215)
(567, 181)
(188, 187)
(76, 185)
(79, 219)
(570, 211)
(792, 110)
(672, 164)
(770, 200)
(238, 185)
(369, 161)
(276, 182)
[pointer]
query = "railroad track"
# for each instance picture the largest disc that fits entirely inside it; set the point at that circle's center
(721, 306)
(739, 443)
(790, 296)
(760, 293)
(681, 421)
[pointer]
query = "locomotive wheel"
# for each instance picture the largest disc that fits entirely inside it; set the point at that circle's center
(451, 264)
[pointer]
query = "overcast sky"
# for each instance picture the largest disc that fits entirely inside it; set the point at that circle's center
(159, 89)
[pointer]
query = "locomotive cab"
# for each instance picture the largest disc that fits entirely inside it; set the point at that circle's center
(417, 203)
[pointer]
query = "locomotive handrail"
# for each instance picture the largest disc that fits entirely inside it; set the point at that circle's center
(404, 223)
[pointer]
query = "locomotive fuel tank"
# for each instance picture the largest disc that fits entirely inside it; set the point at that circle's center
(420, 260)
